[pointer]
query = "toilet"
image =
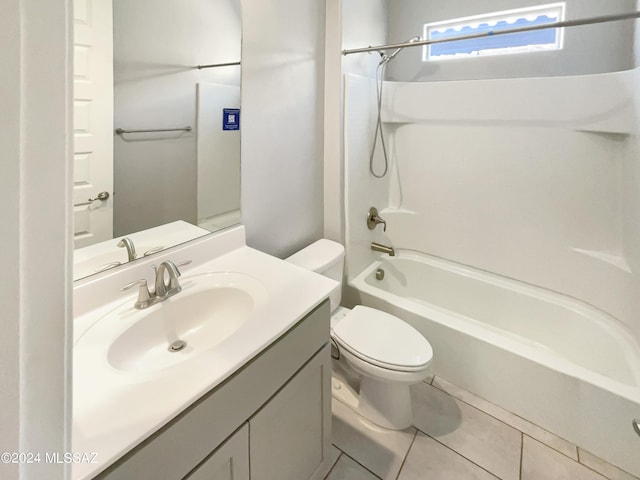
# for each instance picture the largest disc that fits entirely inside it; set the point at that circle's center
(382, 352)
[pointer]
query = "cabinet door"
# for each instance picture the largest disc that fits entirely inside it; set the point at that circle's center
(289, 437)
(230, 461)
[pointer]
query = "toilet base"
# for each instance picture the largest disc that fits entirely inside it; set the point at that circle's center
(387, 405)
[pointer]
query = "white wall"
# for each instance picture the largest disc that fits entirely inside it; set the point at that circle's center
(282, 99)
(35, 207)
(333, 125)
(364, 22)
(155, 87)
(589, 49)
(10, 234)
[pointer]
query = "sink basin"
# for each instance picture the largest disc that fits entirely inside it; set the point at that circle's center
(210, 308)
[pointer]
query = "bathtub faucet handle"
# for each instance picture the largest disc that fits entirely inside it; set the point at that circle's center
(374, 219)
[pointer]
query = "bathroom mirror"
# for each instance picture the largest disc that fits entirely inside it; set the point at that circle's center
(156, 124)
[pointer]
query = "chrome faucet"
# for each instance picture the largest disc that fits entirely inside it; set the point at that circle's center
(162, 289)
(373, 219)
(127, 243)
(378, 247)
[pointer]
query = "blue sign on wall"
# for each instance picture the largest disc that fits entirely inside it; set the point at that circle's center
(230, 119)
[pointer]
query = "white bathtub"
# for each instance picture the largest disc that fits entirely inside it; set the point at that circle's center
(549, 358)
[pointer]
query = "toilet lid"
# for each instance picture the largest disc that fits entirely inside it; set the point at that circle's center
(383, 338)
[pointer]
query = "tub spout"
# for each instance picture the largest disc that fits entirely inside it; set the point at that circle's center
(378, 247)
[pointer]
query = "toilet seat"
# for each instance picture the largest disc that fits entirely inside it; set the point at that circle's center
(383, 340)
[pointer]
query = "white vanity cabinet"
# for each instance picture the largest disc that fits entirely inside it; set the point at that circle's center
(270, 420)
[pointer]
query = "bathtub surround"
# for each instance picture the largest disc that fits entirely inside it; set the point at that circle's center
(543, 195)
(550, 182)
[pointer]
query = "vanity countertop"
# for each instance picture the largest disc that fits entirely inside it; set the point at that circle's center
(115, 410)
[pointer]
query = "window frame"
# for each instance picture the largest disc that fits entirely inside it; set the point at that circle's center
(474, 21)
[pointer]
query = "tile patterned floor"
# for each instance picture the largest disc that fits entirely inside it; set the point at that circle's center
(457, 436)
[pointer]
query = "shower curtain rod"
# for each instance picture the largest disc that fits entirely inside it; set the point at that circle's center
(567, 23)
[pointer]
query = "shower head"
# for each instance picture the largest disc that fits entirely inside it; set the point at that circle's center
(387, 58)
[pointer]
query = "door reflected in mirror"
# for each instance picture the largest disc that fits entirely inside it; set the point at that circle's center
(158, 134)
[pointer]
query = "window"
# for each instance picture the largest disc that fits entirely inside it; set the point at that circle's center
(532, 41)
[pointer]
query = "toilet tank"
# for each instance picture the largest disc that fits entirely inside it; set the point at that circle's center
(325, 257)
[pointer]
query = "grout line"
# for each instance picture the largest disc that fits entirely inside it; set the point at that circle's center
(610, 464)
(249, 446)
(486, 413)
(428, 380)
(459, 454)
(334, 465)
(413, 440)
(507, 424)
(363, 466)
(595, 471)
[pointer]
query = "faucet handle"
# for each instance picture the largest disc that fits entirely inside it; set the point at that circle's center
(141, 282)
(153, 250)
(182, 264)
(174, 285)
(144, 296)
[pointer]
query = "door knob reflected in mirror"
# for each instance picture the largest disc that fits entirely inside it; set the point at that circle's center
(101, 196)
